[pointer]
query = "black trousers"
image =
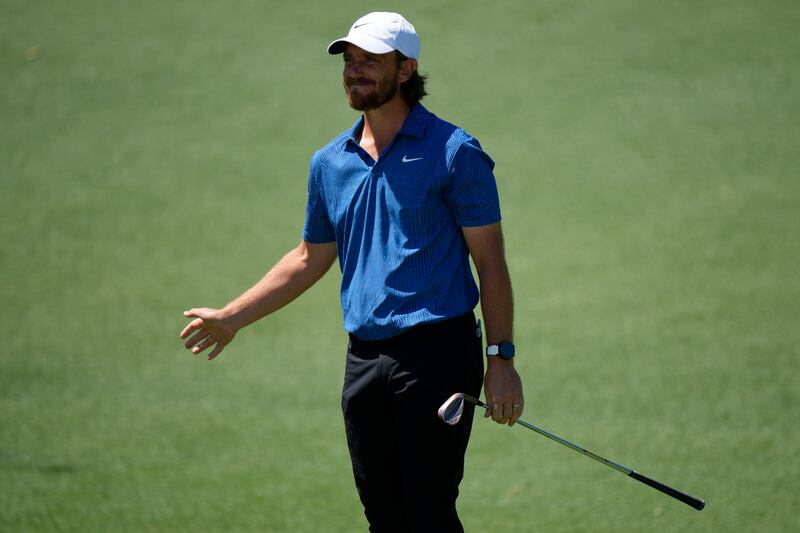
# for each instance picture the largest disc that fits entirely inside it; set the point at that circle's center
(407, 463)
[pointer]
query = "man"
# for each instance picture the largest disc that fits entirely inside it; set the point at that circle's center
(402, 199)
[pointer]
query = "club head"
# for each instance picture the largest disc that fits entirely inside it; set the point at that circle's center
(450, 412)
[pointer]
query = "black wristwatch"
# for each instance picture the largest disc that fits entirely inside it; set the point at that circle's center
(505, 350)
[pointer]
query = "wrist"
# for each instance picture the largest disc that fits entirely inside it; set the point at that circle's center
(494, 362)
(231, 318)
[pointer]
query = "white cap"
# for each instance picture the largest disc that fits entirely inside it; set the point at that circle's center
(380, 33)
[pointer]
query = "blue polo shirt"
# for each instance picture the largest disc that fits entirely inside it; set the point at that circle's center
(397, 222)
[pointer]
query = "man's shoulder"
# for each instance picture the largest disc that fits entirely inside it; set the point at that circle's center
(449, 135)
(337, 143)
(331, 150)
(436, 126)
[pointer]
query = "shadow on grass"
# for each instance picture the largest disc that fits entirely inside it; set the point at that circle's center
(41, 468)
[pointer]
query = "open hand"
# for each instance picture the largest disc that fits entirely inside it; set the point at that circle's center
(209, 330)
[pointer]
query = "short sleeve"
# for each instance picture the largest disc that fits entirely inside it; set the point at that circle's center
(472, 191)
(317, 228)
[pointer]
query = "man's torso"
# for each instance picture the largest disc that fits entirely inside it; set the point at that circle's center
(396, 222)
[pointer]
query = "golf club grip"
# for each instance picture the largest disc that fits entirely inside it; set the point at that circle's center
(697, 503)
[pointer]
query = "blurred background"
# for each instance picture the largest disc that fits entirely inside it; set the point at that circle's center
(154, 158)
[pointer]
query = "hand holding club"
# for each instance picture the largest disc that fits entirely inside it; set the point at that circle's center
(503, 391)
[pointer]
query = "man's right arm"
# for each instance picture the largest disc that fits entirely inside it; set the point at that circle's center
(289, 278)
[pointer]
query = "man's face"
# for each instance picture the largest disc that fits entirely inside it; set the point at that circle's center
(370, 80)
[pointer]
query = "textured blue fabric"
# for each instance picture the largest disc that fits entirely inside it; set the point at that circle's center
(396, 222)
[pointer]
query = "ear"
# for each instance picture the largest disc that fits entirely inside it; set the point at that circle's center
(407, 68)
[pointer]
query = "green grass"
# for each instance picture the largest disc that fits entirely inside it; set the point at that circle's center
(155, 156)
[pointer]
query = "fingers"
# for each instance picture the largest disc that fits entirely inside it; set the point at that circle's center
(506, 410)
(215, 352)
(206, 343)
(202, 339)
(199, 336)
(205, 331)
(193, 325)
(516, 411)
(496, 411)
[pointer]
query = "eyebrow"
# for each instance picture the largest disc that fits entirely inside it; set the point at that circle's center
(369, 55)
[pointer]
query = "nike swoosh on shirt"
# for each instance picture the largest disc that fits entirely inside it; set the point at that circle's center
(407, 160)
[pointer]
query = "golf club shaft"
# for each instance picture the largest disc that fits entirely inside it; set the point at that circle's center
(697, 503)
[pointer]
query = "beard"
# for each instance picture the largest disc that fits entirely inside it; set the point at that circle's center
(383, 91)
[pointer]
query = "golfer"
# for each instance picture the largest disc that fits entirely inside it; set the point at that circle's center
(403, 199)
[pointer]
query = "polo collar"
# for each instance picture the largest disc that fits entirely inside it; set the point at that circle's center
(415, 122)
(414, 125)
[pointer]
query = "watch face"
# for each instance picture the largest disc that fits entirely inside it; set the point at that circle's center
(507, 350)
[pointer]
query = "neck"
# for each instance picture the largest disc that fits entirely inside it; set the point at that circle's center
(383, 123)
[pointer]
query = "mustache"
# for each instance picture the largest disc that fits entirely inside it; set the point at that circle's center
(359, 81)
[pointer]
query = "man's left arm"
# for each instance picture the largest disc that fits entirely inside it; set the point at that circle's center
(502, 384)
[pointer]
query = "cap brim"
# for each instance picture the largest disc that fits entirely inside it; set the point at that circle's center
(365, 42)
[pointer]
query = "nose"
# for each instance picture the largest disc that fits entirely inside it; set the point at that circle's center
(353, 70)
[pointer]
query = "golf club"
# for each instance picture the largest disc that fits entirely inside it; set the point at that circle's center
(450, 412)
